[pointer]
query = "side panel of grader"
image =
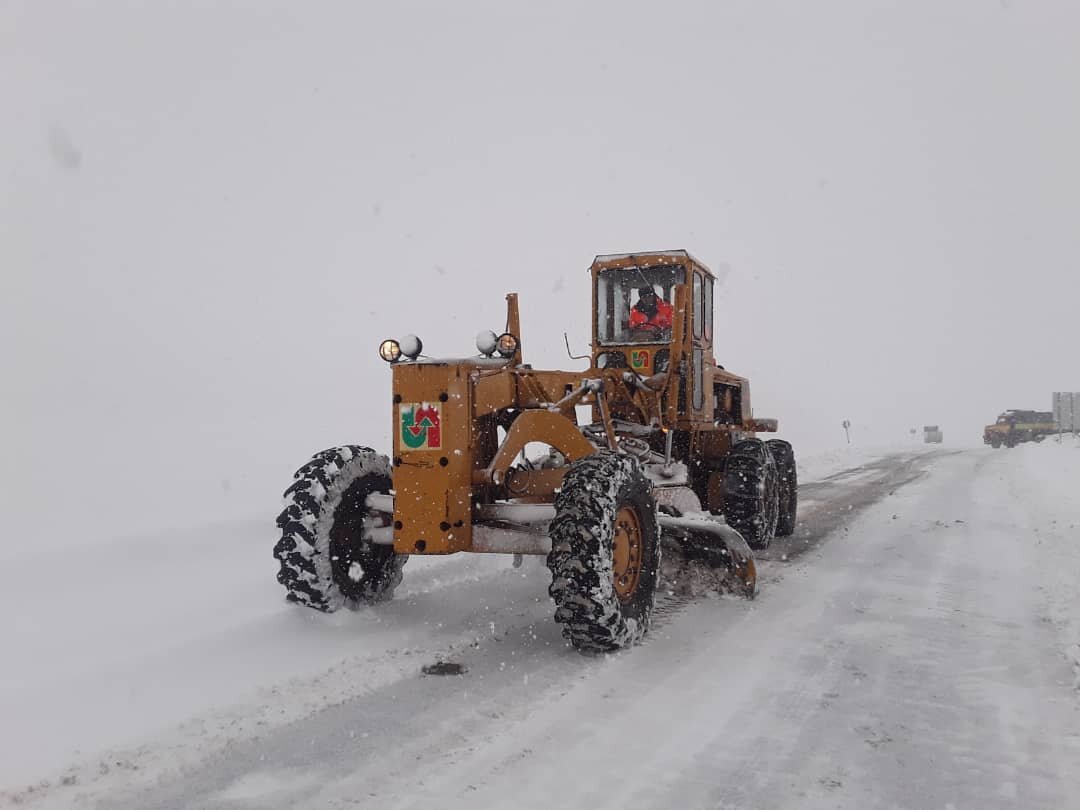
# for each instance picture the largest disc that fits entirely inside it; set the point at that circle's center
(447, 455)
(433, 435)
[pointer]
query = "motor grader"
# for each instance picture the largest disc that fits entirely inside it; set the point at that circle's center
(654, 441)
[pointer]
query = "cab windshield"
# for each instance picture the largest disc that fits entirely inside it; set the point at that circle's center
(622, 317)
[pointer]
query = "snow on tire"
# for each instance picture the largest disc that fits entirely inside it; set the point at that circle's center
(751, 505)
(605, 553)
(787, 486)
(325, 560)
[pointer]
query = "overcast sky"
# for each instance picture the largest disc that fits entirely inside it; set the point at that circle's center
(212, 212)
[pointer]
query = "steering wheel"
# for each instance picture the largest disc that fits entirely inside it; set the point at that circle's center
(650, 330)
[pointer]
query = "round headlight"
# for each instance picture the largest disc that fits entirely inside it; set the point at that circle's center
(411, 346)
(506, 345)
(390, 351)
(485, 342)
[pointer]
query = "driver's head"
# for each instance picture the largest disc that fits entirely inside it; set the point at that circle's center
(647, 300)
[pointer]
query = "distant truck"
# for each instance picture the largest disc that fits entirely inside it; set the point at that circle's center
(932, 434)
(1015, 427)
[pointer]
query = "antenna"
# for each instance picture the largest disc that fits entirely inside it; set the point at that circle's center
(572, 355)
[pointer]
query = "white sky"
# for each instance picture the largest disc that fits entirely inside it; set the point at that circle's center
(211, 213)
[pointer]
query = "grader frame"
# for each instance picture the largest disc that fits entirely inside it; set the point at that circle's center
(458, 487)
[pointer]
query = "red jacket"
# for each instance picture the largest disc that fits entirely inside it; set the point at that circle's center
(661, 318)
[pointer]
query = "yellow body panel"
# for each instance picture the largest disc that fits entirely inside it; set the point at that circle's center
(447, 457)
(432, 474)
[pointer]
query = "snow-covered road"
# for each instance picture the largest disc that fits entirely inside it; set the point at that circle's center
(913, 646)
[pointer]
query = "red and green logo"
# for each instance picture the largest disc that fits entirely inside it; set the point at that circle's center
(639, 358)
(421, 426)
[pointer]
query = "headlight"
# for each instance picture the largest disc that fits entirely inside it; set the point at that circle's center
(485, 342)
(411, 346)
(506, 345)
(390, 351)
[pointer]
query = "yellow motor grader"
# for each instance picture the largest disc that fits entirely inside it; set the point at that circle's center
(668, 449)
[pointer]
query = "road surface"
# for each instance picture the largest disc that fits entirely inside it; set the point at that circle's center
(899, 655)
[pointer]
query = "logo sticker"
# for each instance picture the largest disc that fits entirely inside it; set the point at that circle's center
(639, 358)
(421, 426)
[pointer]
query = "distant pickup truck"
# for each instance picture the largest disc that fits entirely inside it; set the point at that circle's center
(1014, 427)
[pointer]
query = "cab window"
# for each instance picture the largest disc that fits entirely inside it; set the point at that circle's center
(618, 291)
(707, 324)
(699, 305)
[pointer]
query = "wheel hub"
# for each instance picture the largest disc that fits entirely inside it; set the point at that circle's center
(626, 553)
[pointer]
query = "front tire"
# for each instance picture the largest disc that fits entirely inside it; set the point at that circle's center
(326, 561)
(605, 553)
(751, 505)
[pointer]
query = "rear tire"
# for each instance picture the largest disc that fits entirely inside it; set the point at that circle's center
(787, 489)
(325, 560)
(751, 505)
(605, 553)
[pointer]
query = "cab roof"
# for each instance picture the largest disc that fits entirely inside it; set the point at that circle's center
(648, 259)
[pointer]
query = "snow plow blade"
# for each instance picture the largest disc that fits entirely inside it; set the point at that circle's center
(733, 553)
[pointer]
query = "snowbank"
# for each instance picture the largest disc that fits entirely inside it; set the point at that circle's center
(183, 637)
(1048, 484)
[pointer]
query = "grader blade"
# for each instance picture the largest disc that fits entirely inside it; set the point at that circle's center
(732, 551)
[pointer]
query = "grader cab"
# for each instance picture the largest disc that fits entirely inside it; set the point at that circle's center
(490, 456)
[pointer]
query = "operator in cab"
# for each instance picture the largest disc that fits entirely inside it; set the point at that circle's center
(650, 314)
